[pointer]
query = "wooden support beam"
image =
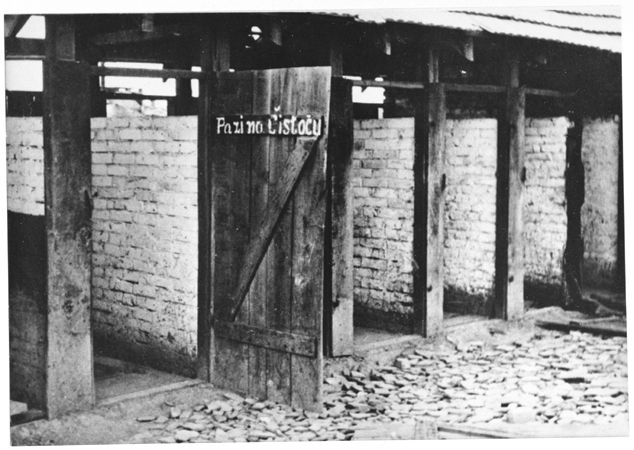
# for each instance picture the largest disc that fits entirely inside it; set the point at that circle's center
(413, 85)
(429, 201)
(338, 311)
(549, 93)
(335, 54)
(147, 73)
(282, 341)
(433, 65)
(19, 48)
(509, 260)
(214, 56)
(13, 23)
(67, 186)
(475, 88)
(138, 35)
(575, 193)
(620, 260)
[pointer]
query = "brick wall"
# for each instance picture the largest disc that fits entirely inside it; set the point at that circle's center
(383, 178)
(545, 218)
(145, 239)
(144, 232)
(599, 212)
(470, 202)
(25, 177)
(26, 258)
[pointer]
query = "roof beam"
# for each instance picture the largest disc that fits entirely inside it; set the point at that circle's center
(13, 23)
(17, 48)
(137, 35)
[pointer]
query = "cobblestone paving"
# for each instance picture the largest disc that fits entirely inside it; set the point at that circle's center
(550, 378)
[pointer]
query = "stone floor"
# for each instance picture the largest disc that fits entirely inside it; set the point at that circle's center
(512, 377)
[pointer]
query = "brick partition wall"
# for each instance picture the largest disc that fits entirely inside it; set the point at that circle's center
(470, 203)
(144, 236)
(25, 166)
(27, 260)
(145, 252)
(545, 217)
(383, 178)
(599, 212)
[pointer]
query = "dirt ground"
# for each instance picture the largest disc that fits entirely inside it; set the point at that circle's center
(492, 375)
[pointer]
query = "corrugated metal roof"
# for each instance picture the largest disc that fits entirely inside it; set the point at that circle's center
(595, 27)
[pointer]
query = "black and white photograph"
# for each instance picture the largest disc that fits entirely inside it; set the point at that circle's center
(278, 222)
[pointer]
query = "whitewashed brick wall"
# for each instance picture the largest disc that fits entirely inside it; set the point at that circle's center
(145, 235)
(470, 203)
(25, 166)
(545, 219)
(145, 238)
(599, 212)
(383, 178)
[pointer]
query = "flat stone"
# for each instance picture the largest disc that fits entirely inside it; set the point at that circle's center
(185, 435)
(403, 363)
(521, 415)
(146, 418)
(193, 426)
(574, 376)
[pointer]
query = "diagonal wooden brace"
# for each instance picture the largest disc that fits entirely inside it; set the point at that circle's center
(266, 229)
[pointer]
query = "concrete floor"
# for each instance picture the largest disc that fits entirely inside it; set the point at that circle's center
(115, 378)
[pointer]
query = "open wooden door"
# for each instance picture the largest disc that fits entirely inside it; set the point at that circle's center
(268, 137)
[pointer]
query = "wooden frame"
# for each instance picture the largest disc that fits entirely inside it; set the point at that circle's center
(215, 57)
(429, 187)
(511, 174)
(339, 270)
(66, 121)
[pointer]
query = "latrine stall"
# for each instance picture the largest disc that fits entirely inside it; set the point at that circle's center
(283, 214)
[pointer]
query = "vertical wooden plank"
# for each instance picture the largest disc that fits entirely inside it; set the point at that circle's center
(279, 254)
(231, 180)
(67, 187)
(309, 210)
(509, 265)
(210, 61)
(338, 306)
(621, 219)
(257, 301)
(575, 192)
(429, 201)
(335, 54)
(433, 65)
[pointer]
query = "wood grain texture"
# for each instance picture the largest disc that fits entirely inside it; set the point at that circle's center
(258, 292)
(278, 315)
(429, 200)
(266, 338)
(308, 243)
(67, 184)
(257, 238)
(338, 307)
(509, 265)
(231, 203)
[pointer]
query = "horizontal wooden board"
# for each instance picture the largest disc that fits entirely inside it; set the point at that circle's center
(297, 344)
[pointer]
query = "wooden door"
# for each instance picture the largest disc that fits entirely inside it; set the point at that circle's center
(269, 134)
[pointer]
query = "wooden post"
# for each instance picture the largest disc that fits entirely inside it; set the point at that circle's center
(214, 56)
(181, 104)
(429, 205)
(67, 186)
(509, 258)
(575, 192)
(621, 218)
(433, 65)
(336, 54)
(338, 314)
